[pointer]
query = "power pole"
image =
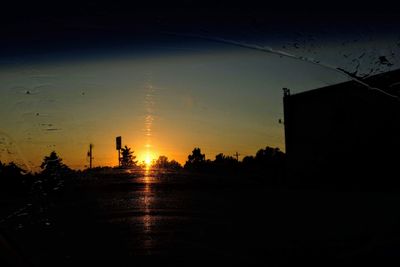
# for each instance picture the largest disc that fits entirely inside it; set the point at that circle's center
(90, 155)
(237, 156)
(118, 141)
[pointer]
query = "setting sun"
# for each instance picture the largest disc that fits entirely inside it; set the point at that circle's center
(147, 160)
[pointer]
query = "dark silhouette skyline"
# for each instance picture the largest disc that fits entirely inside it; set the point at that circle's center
(215, 170)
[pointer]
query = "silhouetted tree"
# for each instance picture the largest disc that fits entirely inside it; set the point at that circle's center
(268, 165)
(173, 164)
(54, 172)
(219, 158)
(10, 169)
(196, 160)
(162, 162)
(224, 163)
(14, 179)
(270, 162)
(127, 158)
(222, 159)
(196, 156)
(269, 156)
(52, 165)
(248, 161)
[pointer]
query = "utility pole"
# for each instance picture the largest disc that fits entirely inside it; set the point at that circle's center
(119, 157)
(118, 141)
(237, 156)
(90, 155)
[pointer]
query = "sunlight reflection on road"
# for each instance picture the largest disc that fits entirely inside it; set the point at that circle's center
(146, 205)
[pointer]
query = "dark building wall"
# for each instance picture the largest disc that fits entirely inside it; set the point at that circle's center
(343, 135)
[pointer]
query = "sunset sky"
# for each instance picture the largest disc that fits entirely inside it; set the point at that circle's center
(166, 89)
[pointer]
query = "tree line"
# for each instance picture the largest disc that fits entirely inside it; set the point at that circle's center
(54, 173)
(269, 158)
(51, 179)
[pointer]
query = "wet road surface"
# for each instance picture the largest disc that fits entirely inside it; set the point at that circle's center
(169, 219)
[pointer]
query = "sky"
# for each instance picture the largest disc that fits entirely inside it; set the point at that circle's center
(163, 79)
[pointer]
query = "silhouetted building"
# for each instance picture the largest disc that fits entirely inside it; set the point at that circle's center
(344, 136)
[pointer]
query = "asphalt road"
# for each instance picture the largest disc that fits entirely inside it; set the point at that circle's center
(170, 219)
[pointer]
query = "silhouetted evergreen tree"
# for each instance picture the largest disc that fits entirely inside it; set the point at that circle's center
(52, 165)
(54, 172)
(127, 158)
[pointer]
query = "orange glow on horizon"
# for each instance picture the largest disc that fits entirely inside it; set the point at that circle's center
(148, 158)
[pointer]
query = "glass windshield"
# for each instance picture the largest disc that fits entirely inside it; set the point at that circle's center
(223, 133)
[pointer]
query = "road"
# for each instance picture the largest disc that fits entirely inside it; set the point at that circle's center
(168, 219)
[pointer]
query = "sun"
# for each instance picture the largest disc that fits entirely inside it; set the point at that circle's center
(147, 160)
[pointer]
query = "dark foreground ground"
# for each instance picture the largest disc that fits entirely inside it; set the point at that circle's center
(170, 219)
